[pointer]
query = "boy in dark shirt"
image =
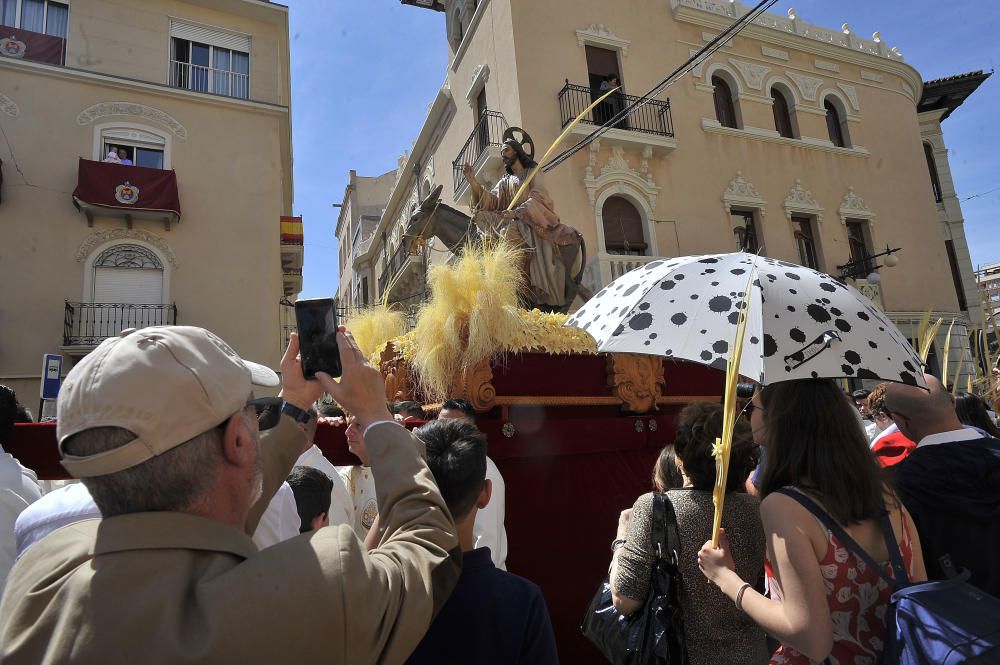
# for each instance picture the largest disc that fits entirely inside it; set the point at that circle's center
(492, 616)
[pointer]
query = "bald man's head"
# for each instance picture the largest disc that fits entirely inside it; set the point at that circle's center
(918, 412)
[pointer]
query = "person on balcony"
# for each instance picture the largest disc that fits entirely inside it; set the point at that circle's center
(123, 157)
(112, 156)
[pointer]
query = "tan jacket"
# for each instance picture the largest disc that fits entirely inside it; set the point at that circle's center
(174, 588)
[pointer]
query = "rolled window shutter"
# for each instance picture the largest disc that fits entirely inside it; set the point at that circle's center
(210, 36)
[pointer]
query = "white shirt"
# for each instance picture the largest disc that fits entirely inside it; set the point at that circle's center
(341, 506)
(891, 429)
(60, 507)
(488, 530)
(18, 490)
(360, 483)
(964, 434)
(280, 521)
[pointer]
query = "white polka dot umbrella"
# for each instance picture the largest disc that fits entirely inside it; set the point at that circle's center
(801, 324)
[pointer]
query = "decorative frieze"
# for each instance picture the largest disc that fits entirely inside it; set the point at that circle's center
(808, 85)
(105, 109)
(101, 237)
(618, 172)
(852, 95)
(774, 53)
(601, 35)
(853, 207)
(827, 66)
(872, 76)
(741, 192)
(752, 73)
(800, 200)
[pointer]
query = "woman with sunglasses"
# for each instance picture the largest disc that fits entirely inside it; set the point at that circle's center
(825, 601)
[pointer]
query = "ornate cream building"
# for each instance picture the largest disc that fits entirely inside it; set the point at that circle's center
(812, 145)
(186, 226)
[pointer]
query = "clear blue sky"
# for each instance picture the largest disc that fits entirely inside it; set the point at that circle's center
(363, 74)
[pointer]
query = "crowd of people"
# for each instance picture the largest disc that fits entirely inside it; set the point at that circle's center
(216, 530)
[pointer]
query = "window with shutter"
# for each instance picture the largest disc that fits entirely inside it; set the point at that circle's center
(782, 116)
(623, 228)
(725, 111)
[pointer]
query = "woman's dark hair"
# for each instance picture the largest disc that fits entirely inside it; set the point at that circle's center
(815, 443)
(698, 426)
(666, 475)
(971, 410)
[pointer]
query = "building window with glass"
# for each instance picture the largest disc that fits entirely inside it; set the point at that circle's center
(623, 228)
(208, 68)
(42, 16)
(725, 110)
(834, 124)
(858, 242)
(745, 230)
(806, 242)
(782, 114)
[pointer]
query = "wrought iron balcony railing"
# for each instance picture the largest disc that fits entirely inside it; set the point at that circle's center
(487, 133)
(208, 79)
(651, 117)
(90, 323)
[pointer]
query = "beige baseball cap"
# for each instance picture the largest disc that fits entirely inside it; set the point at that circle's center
(167, 384)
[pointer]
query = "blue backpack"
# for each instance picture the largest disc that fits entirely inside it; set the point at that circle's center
(948, 622)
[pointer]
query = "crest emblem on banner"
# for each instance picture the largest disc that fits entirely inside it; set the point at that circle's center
(12, 47)
(127, 193)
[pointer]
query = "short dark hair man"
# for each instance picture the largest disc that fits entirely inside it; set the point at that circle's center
(311, 488)
(950, 483)
(410, 409)
(492, 616)
(458, 408)
(162, 427)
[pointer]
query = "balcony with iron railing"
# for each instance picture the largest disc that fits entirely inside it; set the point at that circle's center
(87, 324)
(481, 151)
(208, 79)
(398, 264)
(649, 123)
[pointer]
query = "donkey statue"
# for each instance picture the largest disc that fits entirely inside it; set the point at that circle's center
(455, 229)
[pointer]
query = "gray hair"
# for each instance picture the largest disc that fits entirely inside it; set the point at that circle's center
(171, 481)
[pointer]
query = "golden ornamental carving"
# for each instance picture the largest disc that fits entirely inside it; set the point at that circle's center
(398, 379)
(636, 380)
(476, 385)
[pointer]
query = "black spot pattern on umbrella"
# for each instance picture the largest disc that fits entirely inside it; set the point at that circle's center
(694, 296)
(721, 346)
(797, 335)
(720, 304)
(791, 308)
(653, 335)
(641, 321)
(836, 312)
(793, 292)
(792, 275)
(842, 325)
(715, 283)
(734, 318)
(872, 344)
(829, 288)
(738, 271)
(818, 314)
(754, 340)
(709, 259)
(865, 373)
(706, 355)
(719, 363)
(908, 378)
(643, 306)
(847, 369)
(814, 375)
(708, 271)
(825, 301)
(630, 290)
(618, 331)
(653, 264)
(679, 277)
(852, 357)
(679, 319)
(703, 331)
(667, 284)
(770, 346)
(864, 317)
(909, 366)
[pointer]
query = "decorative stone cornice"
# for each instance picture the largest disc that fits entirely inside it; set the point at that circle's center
(618, 172)
(8, 106)
(105, 109)
(853, 207)
(800, 200)
(601, 35)
(101, 237)
(741, 192)
(479, 78)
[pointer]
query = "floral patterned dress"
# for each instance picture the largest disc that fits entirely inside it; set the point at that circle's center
(858, 598)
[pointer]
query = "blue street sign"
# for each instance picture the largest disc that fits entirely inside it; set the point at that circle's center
(51, 373)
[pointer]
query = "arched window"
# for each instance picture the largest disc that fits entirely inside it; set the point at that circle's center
(834, 126)
(725, 110)
(782, 114)
(623, 232)
(128, 274)
(932, 169)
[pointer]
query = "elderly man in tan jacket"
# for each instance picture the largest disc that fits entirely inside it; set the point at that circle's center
(162, 427)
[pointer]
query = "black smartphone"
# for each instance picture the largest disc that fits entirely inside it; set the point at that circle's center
(316, 320)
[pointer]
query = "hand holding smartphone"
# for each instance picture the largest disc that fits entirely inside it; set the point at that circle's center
(316, 319)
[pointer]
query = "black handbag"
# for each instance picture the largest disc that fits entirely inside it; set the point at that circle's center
(653, 634)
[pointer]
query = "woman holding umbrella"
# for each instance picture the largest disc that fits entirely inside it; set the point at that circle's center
(826, 603)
